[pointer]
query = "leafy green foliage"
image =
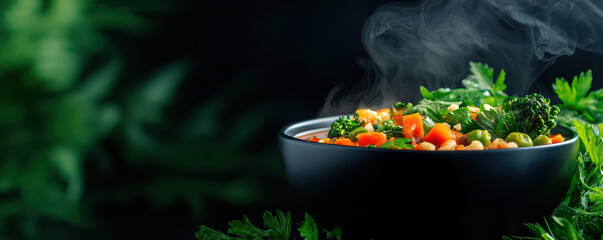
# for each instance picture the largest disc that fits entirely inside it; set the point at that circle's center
(343, 126)
(434, 109)
(398, 143)
(579, 103)
(537, 116)
(57, 72)
(480, 88)
(275, 228)
(390, 128)
(482, 78)
(580, 215)
(496, 121)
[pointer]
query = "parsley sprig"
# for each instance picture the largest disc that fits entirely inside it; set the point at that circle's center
(275, 228)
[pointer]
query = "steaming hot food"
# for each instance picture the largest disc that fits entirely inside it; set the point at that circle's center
(478, 117)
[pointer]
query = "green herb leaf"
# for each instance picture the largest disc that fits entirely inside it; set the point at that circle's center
(308, 229)
(280, 226)
(246, 229)
(482, 78)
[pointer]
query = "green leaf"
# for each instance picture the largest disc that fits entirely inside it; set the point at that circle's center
(591, 142)
(279, 226)
(68, 164)
(403, 143)
(596, 195)
(574, 95)
(246, 229)
(308, 229)
(426, 93)
(482, 78)
(335, 234)
(206, 233)
(101, 81)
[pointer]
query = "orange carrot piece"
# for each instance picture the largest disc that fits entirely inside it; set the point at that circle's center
(412, 127)
(438, 134)
(557, 138)
(372, 138)
(345, 142)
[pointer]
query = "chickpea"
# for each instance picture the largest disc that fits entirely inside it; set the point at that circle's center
(427, 146)
(453, 107)
(449, 145)
(475, 145)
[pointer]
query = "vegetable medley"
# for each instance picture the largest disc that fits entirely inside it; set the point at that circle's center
(477, 117)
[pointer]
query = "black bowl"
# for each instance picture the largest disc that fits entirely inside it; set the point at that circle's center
(394, 194)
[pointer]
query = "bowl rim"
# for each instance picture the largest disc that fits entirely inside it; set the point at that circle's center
(283, 133)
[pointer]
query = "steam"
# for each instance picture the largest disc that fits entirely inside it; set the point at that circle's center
(430, 43)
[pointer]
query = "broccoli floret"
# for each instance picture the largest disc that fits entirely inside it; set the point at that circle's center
(343, 125)
(533, 113)
(402, 106)
(390, 128)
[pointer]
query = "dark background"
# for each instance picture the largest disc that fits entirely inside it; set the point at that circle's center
(202, 89)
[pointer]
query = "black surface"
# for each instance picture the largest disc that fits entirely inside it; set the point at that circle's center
(383, 193)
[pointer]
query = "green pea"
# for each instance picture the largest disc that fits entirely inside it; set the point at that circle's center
(479, 135)
(356, 131)
(542, 140)
(522, 139)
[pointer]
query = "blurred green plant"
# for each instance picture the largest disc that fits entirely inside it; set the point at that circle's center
(51, 109)
(58, 104)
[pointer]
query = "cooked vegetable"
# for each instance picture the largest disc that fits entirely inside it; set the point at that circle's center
(373, 138)
(412, 125)
(399, 143)
(356, 131)
(481, 136)
(343, 126)
(390, 128)
(521, 139)
(439, 134)
(536, 116)
(453, 119)
(499, 143)
(542, 140)
(475, 145)
(557, 138)
(345, 142)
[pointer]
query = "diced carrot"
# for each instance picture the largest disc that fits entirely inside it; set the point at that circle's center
(345, 142)
(398, 119)
(372, 138)
(557, 138)
(314, 139)
(474, 116)
(438, 134)
(412, 127)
